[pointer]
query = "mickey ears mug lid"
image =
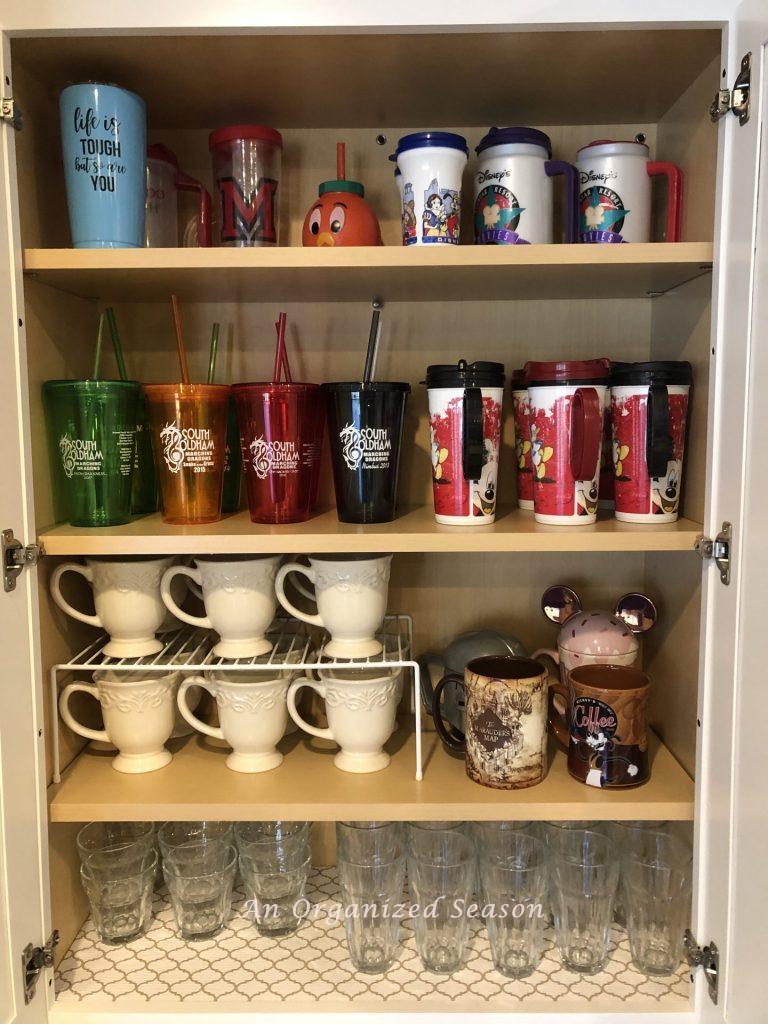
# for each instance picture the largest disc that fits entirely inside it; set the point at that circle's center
(559, 603)
(515, 137)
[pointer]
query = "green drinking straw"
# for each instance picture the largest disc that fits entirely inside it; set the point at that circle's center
(214, 347)
(116, 343)
(97, 355)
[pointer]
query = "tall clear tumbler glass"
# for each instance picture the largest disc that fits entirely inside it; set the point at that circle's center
(371, 889)
(118, 884)
(584, 874)
(200, 885)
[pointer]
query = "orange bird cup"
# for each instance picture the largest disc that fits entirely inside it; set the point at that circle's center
(340, 215)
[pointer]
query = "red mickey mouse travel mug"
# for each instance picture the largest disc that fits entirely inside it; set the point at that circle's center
(566, 400)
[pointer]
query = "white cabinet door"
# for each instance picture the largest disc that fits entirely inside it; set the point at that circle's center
(23, 856)
(731, 826)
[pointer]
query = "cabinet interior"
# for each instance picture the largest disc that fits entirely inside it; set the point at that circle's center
(657, 82)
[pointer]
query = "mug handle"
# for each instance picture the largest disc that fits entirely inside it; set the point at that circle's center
(58, 597)
(674, 177)
(293, 689)
(186, 713)
(170, 604)
(185, 183)
(553, 656)
(569, 172)
(586, 433)
(68, 717)
(452, 737)
(556, 720)
(283, 571)
(472, 434)
(659, 446)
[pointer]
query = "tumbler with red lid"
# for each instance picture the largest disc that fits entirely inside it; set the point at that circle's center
(246, 172)
(521, 411)
(566, 400)
(649, 407)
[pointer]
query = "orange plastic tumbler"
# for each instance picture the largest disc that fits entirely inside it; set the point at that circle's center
(188, 427)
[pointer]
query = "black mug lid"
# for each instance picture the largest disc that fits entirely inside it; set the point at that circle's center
(660, 371)
(377, 386)
(479, 374)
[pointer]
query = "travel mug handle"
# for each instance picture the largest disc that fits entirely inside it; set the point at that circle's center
(58, 597)
(557, 722)
(571, 176)
(165, 593)
(185, 711)
(586, 433)
(674, 177)
(452, 737)
(293, 689)
(185, 183)
(69, 718)
(283, 571)
(659, 446)
(472, 434)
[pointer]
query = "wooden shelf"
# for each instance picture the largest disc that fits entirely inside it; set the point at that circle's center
(197, 785)
(392, 273)
(414, 529)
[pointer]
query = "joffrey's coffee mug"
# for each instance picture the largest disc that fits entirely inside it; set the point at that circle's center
(605, 730)
(506, 721)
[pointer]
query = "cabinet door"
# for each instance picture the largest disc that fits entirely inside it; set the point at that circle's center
(23, 853)
(732, 830)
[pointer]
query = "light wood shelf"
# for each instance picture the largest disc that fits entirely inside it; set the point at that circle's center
(414, 530)
(392, 273)
(307, 786)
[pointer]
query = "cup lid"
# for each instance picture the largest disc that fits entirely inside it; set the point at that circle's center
(372, 385)
(259, 132)
(567, 371)
(513, 136)
(430, 140)
(480, 374)
(660, 371)
(341, 185)
(519, 380)
(598, 634)
(613, 147)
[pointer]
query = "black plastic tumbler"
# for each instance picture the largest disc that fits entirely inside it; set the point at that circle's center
(365, 423)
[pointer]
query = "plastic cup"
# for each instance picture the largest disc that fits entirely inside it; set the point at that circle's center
(91, 438)
(365, 424)
(281, 432)
(246, 172)
(233, 466)
(188, 426)
(431, 164)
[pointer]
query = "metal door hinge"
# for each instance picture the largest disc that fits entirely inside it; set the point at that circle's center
(708, 958)
(33, 960)
(15, 556)
(719, 550)
(10, 112)
(736, 99)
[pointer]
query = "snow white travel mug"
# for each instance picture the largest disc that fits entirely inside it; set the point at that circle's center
(365, 425)
(431, 165)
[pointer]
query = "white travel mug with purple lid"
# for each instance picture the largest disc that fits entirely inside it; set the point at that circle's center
(431, 165)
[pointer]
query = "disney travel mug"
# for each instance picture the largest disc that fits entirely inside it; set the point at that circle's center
(649, 408)
(246, 172)
(521, 411)
(567, 402)
(104, 144)
(615, 192)
(465, 402)
(514, 197)
(431, 164)
(281, 431)
(365, 426)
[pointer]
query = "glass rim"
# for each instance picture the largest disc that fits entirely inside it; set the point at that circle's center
(86, 872)
(162, 833)
(387, 859)
(231, 861)
(606, 856)
(303, 828)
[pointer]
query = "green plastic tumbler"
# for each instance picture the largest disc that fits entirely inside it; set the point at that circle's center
(233, 463)
(91, 441)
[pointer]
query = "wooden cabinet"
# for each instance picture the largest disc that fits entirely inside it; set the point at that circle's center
(700, 299)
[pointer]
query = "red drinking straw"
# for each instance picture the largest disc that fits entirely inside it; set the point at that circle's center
(281, 353)
(341, 162)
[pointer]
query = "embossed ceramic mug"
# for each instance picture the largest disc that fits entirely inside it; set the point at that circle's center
(361, 705)
(252, 715)
(126, 595)
(239, 598)
(505, 744)
(138, 712)
(351, 594)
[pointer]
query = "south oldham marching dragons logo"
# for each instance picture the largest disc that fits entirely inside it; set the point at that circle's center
(497, 215)
(602, 214)
(172, 441)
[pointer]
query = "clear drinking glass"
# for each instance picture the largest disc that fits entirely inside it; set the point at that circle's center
(274, 885)
(252, 836)
(441, 874)
(201, 888)
(584, 874)
(624, 834)
(173, 836)
(513, 884)
(362, 841)
(119, 886)
(106, 835)
(656, 885)
(370, 891)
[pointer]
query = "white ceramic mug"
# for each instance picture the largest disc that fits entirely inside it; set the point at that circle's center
(138, 713)
(239, 598)
(361, 705)
(351, 595)
(126, 595)
(252, 715)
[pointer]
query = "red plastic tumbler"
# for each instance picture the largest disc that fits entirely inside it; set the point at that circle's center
(281, 434)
